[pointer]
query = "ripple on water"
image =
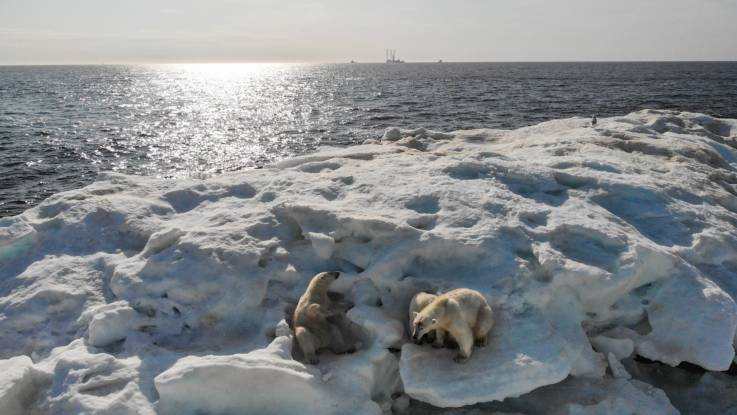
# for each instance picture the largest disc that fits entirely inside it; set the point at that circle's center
(60, 125)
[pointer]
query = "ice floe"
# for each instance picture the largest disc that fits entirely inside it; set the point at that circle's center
(524, 353)
(597, 247)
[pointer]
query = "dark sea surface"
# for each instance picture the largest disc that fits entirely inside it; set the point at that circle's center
(61, 125)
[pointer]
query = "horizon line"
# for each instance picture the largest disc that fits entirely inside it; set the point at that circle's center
(366, 62)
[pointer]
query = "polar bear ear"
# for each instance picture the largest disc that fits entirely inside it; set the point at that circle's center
(434, 321)
(414, 314)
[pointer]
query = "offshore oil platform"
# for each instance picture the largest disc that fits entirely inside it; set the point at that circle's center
(391, 56)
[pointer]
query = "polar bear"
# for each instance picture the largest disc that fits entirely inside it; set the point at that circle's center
(313, 327)
(463, 313)
(419, 302)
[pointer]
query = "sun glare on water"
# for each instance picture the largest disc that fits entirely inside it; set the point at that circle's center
(220, 117)
(228, 70)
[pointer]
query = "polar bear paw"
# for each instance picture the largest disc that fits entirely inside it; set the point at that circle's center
(460, 359)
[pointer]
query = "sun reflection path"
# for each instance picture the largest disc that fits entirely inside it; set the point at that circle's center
(223, 117)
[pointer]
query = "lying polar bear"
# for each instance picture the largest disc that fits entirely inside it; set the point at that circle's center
(463, 313)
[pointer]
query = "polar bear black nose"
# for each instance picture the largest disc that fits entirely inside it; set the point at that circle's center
(335, 274)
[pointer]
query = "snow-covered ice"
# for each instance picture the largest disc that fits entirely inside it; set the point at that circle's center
(524, 353)
(19, 384)
(593, 246)
(266, 381)
(574, 396)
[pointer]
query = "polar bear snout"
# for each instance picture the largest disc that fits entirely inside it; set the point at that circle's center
(418, 333)
(327, 277)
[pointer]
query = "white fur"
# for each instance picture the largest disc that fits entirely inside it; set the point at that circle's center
(463, 313)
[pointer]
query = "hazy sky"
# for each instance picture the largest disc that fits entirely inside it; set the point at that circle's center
(116, 31)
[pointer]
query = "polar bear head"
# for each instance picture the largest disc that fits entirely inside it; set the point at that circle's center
(428, 319)
(322, 281)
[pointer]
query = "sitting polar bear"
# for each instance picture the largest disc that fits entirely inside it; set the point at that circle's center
(463, 313)
(315, 316)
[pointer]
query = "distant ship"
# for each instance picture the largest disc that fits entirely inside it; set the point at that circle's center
(391, 56)
(440, 61)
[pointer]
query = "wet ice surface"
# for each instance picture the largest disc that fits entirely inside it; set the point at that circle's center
(593, 245)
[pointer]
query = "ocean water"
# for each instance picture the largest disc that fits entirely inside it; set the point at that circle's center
(61, 125)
